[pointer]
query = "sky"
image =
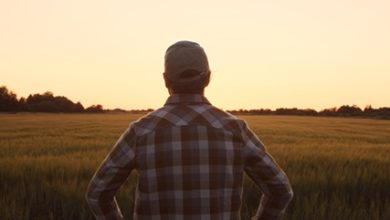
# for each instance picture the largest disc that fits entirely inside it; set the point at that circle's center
(262, 54)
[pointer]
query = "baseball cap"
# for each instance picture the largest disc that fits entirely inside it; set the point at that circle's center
(183, 56)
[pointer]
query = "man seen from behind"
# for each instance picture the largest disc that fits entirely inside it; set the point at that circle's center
(190, 156)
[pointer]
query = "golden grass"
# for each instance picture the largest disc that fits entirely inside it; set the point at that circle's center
(338, 166)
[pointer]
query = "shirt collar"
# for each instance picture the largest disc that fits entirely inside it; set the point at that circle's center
(187, 99)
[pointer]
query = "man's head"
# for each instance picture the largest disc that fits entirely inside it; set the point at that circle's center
(186, 68)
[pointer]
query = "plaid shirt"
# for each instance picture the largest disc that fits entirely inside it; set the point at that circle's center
(191, 158)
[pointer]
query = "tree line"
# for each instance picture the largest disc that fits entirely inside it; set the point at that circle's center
(45, 102)
(344, 111)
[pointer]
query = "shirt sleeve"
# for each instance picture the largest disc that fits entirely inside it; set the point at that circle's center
(265, 172)
(109, 177)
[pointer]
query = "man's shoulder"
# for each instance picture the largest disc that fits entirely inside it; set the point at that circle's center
(176, 115)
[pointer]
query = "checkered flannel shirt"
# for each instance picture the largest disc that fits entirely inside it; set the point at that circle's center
(191, 158)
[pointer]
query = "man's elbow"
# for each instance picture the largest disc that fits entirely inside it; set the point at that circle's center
(287, 192)
(286, 195)
(90, 197)
(282, 195)
(289, 195)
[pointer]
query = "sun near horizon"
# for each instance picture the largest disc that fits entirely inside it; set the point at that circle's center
(301, 54)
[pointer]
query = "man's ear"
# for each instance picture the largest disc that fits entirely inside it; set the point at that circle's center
(166, 80)
(207, 79)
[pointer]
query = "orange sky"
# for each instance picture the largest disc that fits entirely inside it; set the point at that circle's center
(263, 54)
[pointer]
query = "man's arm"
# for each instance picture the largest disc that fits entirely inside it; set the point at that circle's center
(265, 172)
(111, 174)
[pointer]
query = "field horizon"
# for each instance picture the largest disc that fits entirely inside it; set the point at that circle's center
(338, 167)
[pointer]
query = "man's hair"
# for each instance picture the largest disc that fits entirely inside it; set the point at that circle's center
(196, 87)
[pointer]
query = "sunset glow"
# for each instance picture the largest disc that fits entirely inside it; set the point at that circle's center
(263, 54)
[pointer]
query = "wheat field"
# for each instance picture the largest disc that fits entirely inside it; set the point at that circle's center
(338, 167)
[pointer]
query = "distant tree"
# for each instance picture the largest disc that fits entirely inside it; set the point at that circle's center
(8, 100)
(328, 112)
(369, 111)
(22, 104)
(41, 103)
(48, 94)
(78, 107)
(256, 111)
(63, 104)
(347, 110)
(384, 113)
(47, 102)
(116, 110)
(141, 111)
(95, 109)
(295, 111)
(309, 111)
